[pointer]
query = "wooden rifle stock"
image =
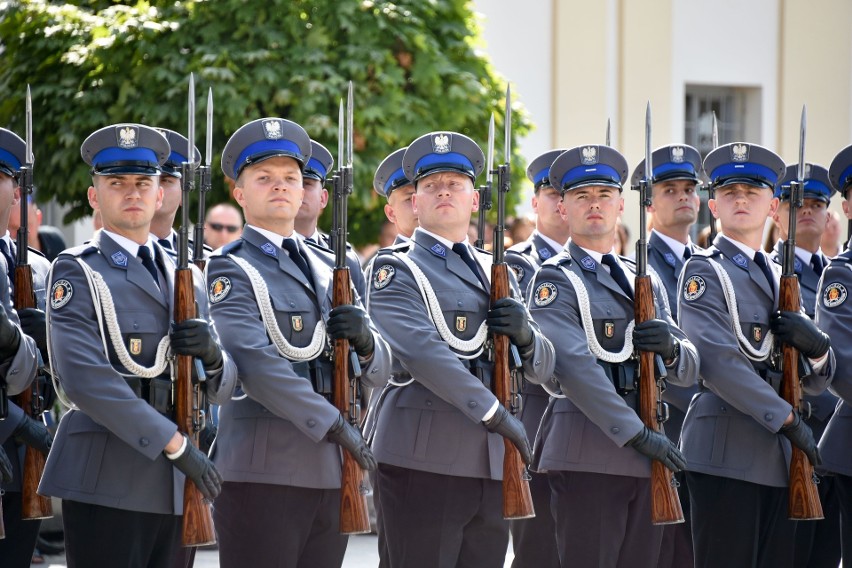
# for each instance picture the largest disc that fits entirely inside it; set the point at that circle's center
(34, 506)
(354, 516)
(517, 499)
(665, 503)
(197, 516)
(804, 503)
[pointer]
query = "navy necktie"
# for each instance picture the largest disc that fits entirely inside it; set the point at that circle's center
(617, 274)
(760, 260)
(687, 253)
(166, 244)
(816, 264)
(298, 258)
(144, 255)
(10, 261)
(464, 252)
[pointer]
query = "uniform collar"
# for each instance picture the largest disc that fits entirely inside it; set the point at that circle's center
(676, 246)
(747, 250)
(598, 256)
(274, 237)
(550, 242)
(130, 246)
(446, 242)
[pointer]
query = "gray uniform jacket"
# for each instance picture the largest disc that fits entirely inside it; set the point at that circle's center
(731, 428)
(274, 432)
(668, 267)
(40, 267)
(834, 316)
(435, 423)
(356, 273)
(588, 429)
(108, 451)
(20, 370)
(822, 405)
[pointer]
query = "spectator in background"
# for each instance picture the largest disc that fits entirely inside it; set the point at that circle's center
(832, 235)
(623, 246)
(223, 224)
(521, 228)
(45, 238)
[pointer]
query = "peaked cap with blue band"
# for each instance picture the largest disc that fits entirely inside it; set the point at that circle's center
(390, 175)
(12, 152)
(672, 162)
(588, 165)
(442, 152)
(840, 170)
(262, 139)
(817, 185)
(539, 169)
(126, 149)
(179, 145)
(741, 162)
(320, 162)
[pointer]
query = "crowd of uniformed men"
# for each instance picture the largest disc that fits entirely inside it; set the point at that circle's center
(434, 435)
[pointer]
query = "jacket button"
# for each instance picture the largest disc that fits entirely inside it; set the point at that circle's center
(615, 430)
(471, 404)
(135, 325)
(428, 403)
(537, 363)
(292, 304)
(144, 442)
(459, 303)
(769, 416)
(723, 408)
(312, 423)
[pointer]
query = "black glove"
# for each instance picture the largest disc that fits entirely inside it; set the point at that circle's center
(350, 322)
(34, 324)
(509, 317)
(801, 436)
(10, 336)
(657, 447)
(349, 438)
(34, 434)
(5, 468)
(655, 336)
(207, 436)
(192, 337)
(797, 329)
(512, 429)
(197, 466)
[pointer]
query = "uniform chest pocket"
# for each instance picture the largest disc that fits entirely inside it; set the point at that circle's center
(464, 311)
(142, 332)
(296, 313)
(754, 321)
(610, 320)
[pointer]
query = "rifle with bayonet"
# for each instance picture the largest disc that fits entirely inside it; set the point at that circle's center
(803, 501)
(608, 138)
(354, 516)
(189, 404)
(711, 188)
(34, 506)
(485, 191)
(517, 499)
(205, 176)
(665, 503)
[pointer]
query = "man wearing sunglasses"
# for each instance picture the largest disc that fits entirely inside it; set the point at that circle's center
(223, 225)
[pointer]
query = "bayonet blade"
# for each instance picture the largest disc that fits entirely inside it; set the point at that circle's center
(507, 144)
(714, 136)
(340, 135)
(350, 103)
(649, 166)
(29, 129)
(208, 150)
(607, 133)
(190, 150)
(800, 173)
(490, 161)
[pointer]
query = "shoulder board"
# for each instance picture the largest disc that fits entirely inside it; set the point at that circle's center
(82, 250)
(524, 247)
(319, 246)
(558, 260)
(482, 250)
(399, 247)
(231, 247)
(845, 256)
(707, 253)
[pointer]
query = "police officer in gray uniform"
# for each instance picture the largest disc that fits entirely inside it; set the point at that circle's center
(817, 542)
(438, 438)
(279, 442)
(674, 206)
(118, 461)
(315, 200)
(17, 430)
(833, 314)
(533, 540)
(390, 182)
(738, 430)
(592, 443)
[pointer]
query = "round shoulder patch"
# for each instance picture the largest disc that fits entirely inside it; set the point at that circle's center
(834, 295)
(693, 288)
(219, 289)
(545, 293)
(60, 294)
(383, 276)
(518, 270)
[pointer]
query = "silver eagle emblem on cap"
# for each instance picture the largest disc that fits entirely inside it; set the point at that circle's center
(590, 155)
(677, 154)
(441, 144)
(127, 137)
(272, 129)
(739, 152)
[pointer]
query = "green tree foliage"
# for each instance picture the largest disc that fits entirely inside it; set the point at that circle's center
(415, 64)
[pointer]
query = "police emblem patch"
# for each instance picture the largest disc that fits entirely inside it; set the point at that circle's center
(588, 263)
(670, 259)
(545, 253)
(545, 293)
(461, 323)
(269, 248)
(609, 329)
(834, 295)
(119, 258)
(296, 323)
(739, 152)
(740, 260)
(272, 129)
(441, 143)
(60, 294)
(439, 249)
(135, 346)
(383, 276)
(693, 288)
(518, 270)
(127, 137)
(677, 154)
(756, 332)
(590, 156)
(797, 265)
(219, 289)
